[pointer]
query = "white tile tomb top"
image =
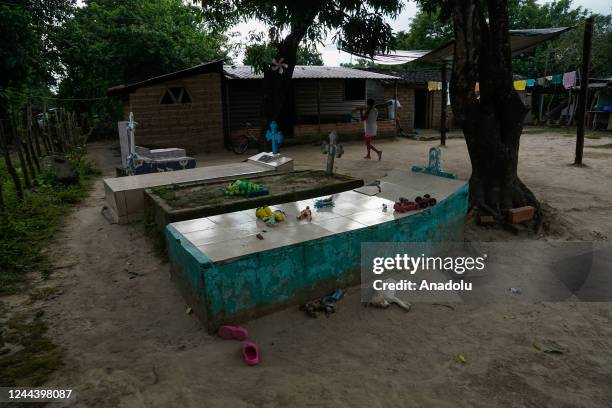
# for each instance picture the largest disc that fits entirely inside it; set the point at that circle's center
(226, 236)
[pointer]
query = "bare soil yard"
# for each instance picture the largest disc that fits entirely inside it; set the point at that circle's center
(129, 343)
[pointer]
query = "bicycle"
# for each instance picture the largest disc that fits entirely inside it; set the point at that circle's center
(249, 137)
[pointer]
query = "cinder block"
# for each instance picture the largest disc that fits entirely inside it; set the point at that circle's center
(521, 214)
(486, 220)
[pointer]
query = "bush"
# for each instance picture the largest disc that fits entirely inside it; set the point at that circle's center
(27, 226)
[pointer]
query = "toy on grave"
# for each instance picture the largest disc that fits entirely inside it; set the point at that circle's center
(324, 202)
(425, 201)
(305, 214)
(403, 205)
(244, 188)
(140, 160)
(434, 167)
(274, 136)
(270, 217)
(333, 150)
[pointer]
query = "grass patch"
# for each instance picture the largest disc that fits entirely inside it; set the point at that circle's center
(603, 146)
(27, 226)
(195, 195)
(27, 356)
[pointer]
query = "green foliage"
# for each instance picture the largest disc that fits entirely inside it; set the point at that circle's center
(427, 31)
(360, 24)
(28, 225)
(308, 55)
(112, 42)
(565, 53)
(259, 54)
(27, 58)
(432, 28)
(27, 356)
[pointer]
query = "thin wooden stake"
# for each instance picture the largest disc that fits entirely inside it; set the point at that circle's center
(22, 162)
(584, 88)
(9, 163)
(443, 106)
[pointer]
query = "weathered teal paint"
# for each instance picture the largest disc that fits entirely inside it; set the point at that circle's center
(256, 284)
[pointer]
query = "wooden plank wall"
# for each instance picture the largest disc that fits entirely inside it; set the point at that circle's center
(244, 101)
(332, 98)
(196, 126)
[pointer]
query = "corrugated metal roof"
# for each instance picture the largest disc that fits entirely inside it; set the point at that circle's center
(408, 76)
(520, 41)
(306, 72)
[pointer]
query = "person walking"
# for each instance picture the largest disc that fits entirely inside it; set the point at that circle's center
(369, 115)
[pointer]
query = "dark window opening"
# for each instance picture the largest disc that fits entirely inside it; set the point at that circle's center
(175, 95)
(354, 89)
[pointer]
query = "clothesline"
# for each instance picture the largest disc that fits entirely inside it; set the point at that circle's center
(567, 79)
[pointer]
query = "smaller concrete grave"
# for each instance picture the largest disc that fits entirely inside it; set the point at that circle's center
(204, 198)
(141, 160)
(125, 195)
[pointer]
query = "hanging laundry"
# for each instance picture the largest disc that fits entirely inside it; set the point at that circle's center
(548, 77)
(530, 83)
(542, 81)
(520, 85)
(569, 79)
(557, 79)
(477, 87)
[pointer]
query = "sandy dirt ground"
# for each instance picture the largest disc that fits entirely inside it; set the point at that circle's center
(129, 342)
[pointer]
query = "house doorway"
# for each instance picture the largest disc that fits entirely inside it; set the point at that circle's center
(420, 108)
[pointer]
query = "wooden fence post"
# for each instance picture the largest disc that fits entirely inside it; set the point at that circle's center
(584, 88)
(9, 163)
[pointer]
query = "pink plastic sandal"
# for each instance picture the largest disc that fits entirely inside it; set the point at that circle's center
(250, 353)
(233, 333)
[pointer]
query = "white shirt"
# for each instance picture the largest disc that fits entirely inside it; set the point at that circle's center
(392, 107)
(369, 123)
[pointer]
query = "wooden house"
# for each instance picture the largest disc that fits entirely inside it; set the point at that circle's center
(201, 108)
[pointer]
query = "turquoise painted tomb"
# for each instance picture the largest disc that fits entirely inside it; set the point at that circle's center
(228, 275)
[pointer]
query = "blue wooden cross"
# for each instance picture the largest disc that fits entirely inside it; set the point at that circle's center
(275, 136)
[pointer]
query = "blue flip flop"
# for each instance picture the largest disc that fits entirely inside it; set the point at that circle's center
(337, 295)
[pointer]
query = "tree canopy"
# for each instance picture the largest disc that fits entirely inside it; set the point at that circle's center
(28, 58)
(431, 28)
(111, 42)
(261, 51)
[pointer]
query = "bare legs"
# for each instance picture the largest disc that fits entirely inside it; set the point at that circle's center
(369, 146)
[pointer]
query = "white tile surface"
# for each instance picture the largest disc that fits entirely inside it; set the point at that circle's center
(234, 234)
(193, 225)
(339, 225)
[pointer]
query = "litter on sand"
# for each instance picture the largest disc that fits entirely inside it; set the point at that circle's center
(326, 304)
(547, 350)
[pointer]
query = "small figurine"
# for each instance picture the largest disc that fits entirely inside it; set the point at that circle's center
(305, 214)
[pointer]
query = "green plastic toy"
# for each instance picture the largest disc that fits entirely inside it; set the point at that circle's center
(244, 188)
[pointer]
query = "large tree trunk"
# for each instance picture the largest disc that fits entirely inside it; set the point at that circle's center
(492, 125)
(276, 85)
